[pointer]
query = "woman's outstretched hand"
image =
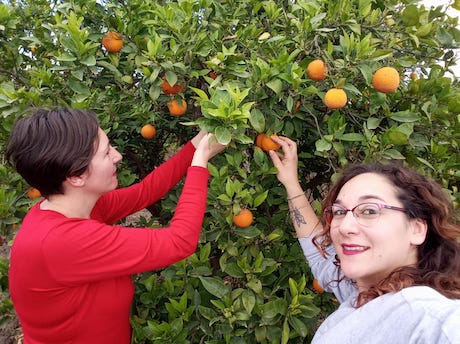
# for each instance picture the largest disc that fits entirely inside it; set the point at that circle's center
(286, 162)
(207, 148)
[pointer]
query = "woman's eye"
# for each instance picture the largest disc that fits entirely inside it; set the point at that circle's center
(369, 211)
(338, 212)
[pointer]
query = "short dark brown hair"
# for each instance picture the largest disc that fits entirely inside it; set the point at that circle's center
(47, 146)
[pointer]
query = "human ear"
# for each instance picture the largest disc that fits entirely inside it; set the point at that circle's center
(75, 181)
(418, 228)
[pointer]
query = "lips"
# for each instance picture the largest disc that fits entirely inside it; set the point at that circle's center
(350, 250)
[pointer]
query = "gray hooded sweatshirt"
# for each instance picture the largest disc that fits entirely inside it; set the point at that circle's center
(416, 314)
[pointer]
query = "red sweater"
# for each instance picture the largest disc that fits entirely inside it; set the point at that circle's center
(70, 278)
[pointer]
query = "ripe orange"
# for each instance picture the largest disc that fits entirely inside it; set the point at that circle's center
(386, 80)
(168, 89)
(316, 286)
(266, 143)
(259, 139)
(177, 109)
(148, 131)
(112, 42)
(33, 193)
(335, 98)
(243, 219)
(316, 70)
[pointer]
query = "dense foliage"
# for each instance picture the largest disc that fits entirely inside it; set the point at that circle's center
(243, 63)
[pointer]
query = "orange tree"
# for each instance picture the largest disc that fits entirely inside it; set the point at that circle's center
(240, 66)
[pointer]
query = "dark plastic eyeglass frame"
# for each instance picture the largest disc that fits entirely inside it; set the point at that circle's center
(329, 216)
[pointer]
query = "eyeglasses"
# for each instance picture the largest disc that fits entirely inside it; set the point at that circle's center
(365, 213)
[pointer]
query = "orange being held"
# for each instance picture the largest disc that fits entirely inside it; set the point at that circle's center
(265, 143)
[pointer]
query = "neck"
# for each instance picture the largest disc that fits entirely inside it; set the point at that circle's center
(69, 205)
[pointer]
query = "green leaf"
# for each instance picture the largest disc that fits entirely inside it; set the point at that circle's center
(89, 60)
(352, 137)
(393, 154)
(373, 123)
(248, 232)
(276, 85)
(257, 120)
(323, 145)
(204, 252)
(215, 286)
(259, 199)
(255, 285)
(79, 87)
(405, 116)
(299, 325)
(248, 299)
(223, 135)
(425, 162)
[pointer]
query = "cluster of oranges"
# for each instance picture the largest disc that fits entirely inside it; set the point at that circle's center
(176, 106)
(113, 43)
(385, 80)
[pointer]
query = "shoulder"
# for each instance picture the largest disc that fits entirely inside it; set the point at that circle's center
(428, 299)
(439, 314)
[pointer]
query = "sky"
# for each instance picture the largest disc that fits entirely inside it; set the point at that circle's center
(451, 12)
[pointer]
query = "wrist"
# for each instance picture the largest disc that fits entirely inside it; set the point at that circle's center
(199, 160)
(293, 189)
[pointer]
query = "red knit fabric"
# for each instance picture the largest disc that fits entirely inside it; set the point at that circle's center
(70, 278)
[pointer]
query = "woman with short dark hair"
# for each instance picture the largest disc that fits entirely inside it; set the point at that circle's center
(71, 265)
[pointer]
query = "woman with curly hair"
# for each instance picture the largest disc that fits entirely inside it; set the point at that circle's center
(388, 248)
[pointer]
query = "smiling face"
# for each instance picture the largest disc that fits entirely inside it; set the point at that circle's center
(368, 253)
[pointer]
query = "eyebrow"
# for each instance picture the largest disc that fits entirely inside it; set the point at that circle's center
(363, 198)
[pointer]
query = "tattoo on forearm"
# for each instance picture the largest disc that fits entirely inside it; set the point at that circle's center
(297, 217)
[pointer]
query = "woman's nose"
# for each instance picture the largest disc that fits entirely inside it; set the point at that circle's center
(116, 156)
(349, 224)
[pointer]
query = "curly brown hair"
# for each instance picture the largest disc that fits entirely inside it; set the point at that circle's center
(438, 257)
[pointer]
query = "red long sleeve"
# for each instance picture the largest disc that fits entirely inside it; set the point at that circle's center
(70, 279)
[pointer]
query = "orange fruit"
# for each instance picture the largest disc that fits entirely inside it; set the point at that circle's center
(413, 76)
(385, 80)
(243, 219)
(316, 70)
(177, 109)
(266, 143)
(33, 193)
(167, 88)
(335, 98)
(148, 131)
(112, 42)
(317, 287)
(259, 139)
